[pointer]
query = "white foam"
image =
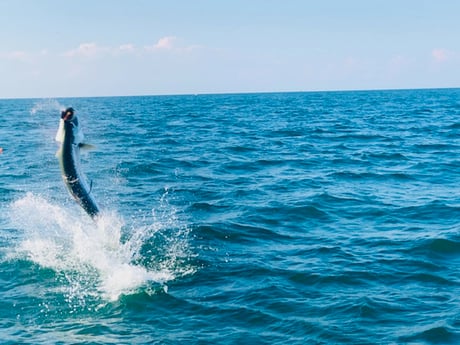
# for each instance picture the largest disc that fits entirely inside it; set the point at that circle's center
(92, 257)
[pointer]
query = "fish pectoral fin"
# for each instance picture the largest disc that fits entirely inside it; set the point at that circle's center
(84, 146)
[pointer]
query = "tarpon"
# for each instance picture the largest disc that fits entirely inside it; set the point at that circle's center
(71, 139)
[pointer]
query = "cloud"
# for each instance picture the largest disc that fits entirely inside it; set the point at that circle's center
(16, 56)
(25, 56)
(86, 50)
(164, 43)
(172, 44)
(441, 55)
(126, 48)
(92, 49)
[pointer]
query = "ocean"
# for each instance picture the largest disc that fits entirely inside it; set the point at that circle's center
(275, 218)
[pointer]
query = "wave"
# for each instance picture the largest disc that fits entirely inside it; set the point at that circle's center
(371, 176)
(444, 247)
(434, 334)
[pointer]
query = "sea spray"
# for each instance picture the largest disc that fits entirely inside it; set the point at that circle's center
(46, 106)
(91, 259)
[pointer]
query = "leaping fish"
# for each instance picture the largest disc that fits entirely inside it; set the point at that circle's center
(71, 139)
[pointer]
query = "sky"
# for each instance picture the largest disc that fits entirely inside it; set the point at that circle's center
(56, 48)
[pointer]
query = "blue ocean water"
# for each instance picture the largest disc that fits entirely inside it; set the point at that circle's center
(284, 218)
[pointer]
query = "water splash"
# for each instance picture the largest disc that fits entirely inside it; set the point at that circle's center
(92, 260)
(46, 105)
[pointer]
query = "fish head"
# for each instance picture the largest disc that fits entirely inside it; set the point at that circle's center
(69, 125)
(68, 114)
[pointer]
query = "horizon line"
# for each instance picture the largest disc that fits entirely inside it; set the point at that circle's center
(234, 93)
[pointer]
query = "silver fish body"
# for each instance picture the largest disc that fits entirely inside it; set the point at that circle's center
(70, 136)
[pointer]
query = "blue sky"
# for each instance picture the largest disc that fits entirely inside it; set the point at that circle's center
(51, 48)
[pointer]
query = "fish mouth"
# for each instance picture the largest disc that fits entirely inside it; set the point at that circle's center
(67, 114)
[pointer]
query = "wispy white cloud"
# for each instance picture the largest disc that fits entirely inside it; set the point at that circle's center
(172, 44)
(90, 50)
(126, 48)
(87, 50)
(165, 42)
(24, 56)
(17, 55)
(441, 55)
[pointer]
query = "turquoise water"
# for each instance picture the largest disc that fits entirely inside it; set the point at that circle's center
(285, 218)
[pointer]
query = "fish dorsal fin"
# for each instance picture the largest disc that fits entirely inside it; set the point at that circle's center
(84, 146)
